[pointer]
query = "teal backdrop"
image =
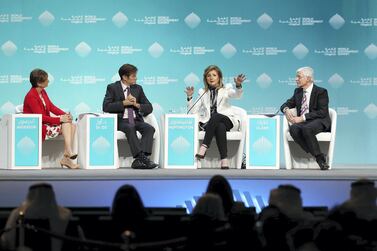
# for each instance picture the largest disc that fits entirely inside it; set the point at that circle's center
(81, 44)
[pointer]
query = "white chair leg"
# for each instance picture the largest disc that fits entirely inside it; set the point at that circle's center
(198, 164)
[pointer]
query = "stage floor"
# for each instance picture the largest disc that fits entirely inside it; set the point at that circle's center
(337, 173)
(181, 188)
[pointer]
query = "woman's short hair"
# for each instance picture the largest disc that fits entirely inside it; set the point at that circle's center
(127, 70)
(37, 76)
(218, 71)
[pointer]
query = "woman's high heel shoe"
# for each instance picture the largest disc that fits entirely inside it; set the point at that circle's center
(73, 156)
(67, 162)
(198, 156)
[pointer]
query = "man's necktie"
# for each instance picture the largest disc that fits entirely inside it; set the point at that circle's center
(130, 110)
(304, 104)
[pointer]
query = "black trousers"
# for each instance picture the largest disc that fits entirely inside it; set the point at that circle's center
(146, 130)
(217, 126)
(304, 135)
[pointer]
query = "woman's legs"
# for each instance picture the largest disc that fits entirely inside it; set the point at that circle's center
(216, 126)
(220, 134)
(68, 131)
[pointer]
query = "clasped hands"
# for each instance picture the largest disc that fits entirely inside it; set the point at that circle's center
(293, 119)
(131, 101)
(66, 118)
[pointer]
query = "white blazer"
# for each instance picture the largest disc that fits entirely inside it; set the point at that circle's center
(203, 106)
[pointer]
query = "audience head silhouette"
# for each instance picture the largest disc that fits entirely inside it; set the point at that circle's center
(210, 206)
(128, 208)
(362, 200)
(40, 204)
(288, 199)
(220, 186)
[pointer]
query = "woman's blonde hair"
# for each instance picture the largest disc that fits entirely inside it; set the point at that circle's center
(219, 73)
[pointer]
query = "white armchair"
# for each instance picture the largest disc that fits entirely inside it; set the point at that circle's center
(297, 158)
(124, 152)
(236, 143)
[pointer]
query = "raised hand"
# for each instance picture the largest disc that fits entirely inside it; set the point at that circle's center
(239, 79)
(189, 91)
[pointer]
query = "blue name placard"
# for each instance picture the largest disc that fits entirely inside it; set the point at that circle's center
(263, 142)
(181, 141)
(26, 144)
(101, 141)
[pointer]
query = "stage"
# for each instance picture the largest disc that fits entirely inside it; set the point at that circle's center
(60, 174)
(181, 188)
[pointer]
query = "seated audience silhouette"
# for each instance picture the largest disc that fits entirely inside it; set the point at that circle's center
(128, 213)
(208, 229)
(40, 204)
(288, 199)
(241, 219)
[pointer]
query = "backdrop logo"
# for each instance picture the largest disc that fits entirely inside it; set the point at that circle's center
(228, 50)
(120, 19)
(191, 79)
(337, 21)
(262, 146)
(156, 50)
(371, 51)
(81, 108)
(13, 79)
(26, 145)
(265, 21)
(8, 108)
(46, 18)
(51, 78)
(371, 111)
(264, 80)
(192, 20)
(336, 80)
(300, 51)
(180, 145)
(9, 48)
(83, 49)
(101, 145)
(115, 77)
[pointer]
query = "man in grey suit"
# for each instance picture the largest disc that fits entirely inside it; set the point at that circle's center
(127, 99)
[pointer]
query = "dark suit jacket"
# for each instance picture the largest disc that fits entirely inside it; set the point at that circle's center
(113, 101)
(318, 107)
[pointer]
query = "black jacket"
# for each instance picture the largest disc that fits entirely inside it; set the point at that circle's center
(318, 107)
(113, 101)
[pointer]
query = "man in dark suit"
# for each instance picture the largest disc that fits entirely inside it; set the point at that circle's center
(127, 99)
(312, 104)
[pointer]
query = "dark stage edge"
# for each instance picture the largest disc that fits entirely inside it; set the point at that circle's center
(336, 173)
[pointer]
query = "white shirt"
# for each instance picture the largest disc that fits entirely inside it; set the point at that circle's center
(307, 93)
(124, 87)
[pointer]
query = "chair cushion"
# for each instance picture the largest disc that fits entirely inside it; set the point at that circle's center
(323, 136)
(229, 135)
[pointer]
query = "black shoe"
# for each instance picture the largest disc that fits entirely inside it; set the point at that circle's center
(224, 167)
(149, 164)
(138, 164)
(321, 160)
